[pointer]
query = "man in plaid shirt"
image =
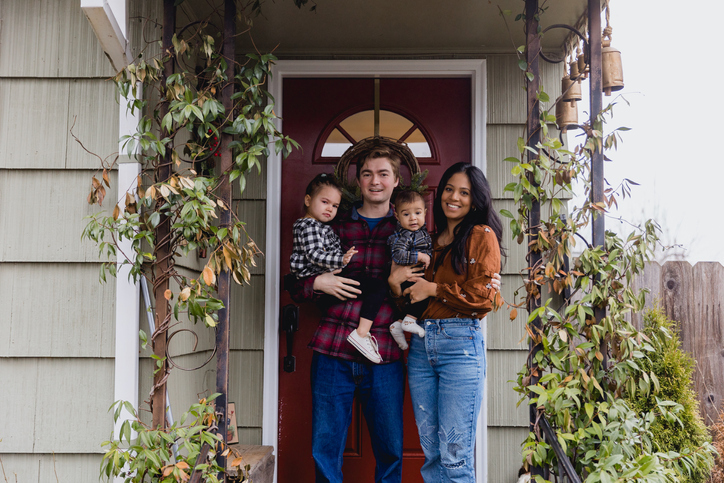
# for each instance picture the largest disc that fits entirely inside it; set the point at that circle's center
(338, 369)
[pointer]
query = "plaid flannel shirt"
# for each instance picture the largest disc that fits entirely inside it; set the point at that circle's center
(406, 244)
(341, 317)
(316, 249)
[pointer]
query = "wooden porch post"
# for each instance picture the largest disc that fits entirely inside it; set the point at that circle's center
(532, 53)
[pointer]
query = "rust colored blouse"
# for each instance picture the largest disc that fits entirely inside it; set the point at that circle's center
(469, 295)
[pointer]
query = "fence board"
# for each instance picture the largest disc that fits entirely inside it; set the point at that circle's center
(691, 296)
(708, 337)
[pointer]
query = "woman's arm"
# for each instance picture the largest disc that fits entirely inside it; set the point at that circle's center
(479, 292)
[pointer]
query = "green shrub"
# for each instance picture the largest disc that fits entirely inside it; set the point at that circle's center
(669, 370)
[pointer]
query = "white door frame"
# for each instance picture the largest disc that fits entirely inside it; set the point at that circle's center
(475, 70)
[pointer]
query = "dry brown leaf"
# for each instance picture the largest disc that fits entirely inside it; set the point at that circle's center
(168, 294)
(208, 275)
(185, 293)
(513, 314)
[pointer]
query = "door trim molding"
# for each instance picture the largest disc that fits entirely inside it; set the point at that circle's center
(472, 68)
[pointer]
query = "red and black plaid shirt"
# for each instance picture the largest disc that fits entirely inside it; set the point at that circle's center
(339, 319)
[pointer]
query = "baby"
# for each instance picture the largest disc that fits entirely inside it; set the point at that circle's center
(410, 244)
(317, 249)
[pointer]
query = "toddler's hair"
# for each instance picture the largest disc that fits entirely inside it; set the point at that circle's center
(408, 196)
(320, 181)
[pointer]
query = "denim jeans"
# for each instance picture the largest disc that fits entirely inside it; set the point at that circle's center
(446, 377)
(380, 389)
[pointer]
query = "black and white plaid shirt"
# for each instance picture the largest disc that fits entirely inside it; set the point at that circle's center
(316, 249)
(406, 244)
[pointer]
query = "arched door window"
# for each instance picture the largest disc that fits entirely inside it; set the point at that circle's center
(360, 125)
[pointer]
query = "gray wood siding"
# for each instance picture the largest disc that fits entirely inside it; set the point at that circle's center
(61, 404)
(56, 310)
(44, 468)
(40, 114)
(43, 215)
(57, 41)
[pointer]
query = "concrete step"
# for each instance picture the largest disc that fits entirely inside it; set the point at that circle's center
(260, 461)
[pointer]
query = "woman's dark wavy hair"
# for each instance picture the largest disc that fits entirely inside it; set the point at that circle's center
(481, 213)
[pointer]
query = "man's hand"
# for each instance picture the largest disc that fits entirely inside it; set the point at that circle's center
(348, 256)
(340, 287)
(423, 258)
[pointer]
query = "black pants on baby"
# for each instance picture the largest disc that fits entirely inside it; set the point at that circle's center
(415, 309)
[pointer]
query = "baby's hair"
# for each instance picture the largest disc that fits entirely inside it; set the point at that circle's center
(320, 181)
(408, 196)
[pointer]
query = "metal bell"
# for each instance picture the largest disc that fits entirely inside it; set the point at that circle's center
(566, 114)
(574, 69)
(571, 90)
(611, 67)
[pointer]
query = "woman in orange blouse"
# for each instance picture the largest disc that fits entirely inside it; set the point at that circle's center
(447, 366)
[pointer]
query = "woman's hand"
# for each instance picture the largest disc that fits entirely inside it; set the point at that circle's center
(402, 273)
(340, 287)
(495, 281)
(421, 290)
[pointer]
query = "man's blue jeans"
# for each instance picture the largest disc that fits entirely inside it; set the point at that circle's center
(446, 377)
(380, 389)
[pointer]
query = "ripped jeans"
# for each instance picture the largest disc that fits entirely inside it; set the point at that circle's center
(446, 378)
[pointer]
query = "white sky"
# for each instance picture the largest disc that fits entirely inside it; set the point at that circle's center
(672, 70)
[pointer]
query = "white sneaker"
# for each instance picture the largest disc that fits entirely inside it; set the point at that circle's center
(366, 345)
(409, 324)
(398, 334)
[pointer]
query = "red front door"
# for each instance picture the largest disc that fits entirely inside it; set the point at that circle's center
(435, 115)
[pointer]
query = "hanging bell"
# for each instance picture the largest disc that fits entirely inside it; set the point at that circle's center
(611, 68)
(571, 90)
(566, 114)
(574, 69)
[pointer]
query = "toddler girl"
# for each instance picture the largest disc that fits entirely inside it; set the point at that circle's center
(317, 249)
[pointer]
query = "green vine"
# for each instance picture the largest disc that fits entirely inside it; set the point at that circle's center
(584, 368)
(170, 216)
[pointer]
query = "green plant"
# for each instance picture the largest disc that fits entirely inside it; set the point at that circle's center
(686, 435)
(168, 455)
(586, 356)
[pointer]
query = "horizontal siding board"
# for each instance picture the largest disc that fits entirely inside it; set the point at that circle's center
(255, 184)
(93, 114)
(45, 468)
(504, 333)
(63, 406)
(43, 215)
(56, 310)
(504, 453)
(253, 213)
(249, 435)
(34, 128)
(506, 100)
(49, 38)
(246, 377)
(503, 366)
(247, 315)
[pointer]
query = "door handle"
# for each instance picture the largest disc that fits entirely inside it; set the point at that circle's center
(290, 324)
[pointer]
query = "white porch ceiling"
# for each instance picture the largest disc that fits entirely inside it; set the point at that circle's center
(398, 27)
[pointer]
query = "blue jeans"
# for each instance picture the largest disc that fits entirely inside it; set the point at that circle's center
(446, 377)
(380, 389)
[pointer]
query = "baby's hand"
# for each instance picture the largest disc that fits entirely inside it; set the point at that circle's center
(348, 256)
(423, 258)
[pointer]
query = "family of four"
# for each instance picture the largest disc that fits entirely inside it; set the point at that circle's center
(367, 266)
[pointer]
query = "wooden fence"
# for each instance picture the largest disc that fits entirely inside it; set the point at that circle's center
(692, 296)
